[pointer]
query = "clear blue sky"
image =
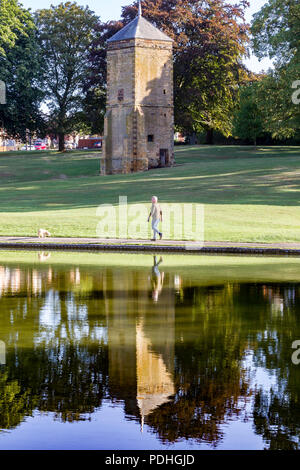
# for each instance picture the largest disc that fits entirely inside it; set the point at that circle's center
(111, 10)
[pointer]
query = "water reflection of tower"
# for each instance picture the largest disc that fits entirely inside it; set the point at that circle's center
(121, 338)
(154, 376)
(140, 341)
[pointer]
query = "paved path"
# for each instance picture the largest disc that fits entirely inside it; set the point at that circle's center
(147, 245)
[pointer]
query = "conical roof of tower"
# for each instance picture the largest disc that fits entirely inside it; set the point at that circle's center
(140, 28)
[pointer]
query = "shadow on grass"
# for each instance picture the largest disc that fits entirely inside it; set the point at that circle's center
(207, 175)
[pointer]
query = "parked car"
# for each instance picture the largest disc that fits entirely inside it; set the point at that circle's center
(40, 146)
(28, 148)
(98, 145)
(92, 143)
(69, 146)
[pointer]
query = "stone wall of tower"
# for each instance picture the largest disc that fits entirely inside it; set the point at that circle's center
(117, 145)
(154, 98)
(139, 116)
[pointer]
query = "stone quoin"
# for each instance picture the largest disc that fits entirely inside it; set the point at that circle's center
(139, 120)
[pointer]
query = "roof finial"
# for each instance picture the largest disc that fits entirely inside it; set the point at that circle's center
(140, 9)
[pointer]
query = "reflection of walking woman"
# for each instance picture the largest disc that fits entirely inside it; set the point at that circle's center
(157, 279)
(156, 214)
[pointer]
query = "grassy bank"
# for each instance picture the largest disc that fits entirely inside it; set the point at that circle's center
(248, 195)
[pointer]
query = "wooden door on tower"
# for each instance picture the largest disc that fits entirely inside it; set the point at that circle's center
(163, 157)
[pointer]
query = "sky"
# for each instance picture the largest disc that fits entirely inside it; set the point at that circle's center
(111, 10)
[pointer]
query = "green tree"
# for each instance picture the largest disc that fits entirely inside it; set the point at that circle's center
(65, 33)
(95, 85)
(274, 96)
(13, 22)
(276, 29)
(248, 120)
(21, 69)
(276, 32)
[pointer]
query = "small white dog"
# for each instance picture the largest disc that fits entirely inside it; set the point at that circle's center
(43, 233)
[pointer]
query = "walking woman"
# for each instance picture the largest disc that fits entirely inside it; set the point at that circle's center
(156, 214)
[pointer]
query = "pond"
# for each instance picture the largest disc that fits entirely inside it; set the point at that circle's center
(129, 351)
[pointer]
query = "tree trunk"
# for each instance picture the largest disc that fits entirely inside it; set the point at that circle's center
(210, 136)
(193, 139)
(61, 142)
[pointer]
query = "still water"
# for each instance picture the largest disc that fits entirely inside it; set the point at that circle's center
(118, 351)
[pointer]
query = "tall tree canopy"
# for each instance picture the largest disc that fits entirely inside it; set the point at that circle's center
(210, 40)
(276, 32)
(13, 21)
(248, 119)
(65, 34)
(21, 70)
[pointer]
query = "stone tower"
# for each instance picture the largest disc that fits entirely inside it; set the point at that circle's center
(139, 120)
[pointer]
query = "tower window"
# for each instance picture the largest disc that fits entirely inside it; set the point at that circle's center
(121, 95)
(164, 92)
(150, 138)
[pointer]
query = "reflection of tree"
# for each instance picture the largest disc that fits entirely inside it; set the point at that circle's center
(277, 419)
(67, 380)
(15, 403)
(210, 381)
(55, 352)
(277, 412)
(214, 328)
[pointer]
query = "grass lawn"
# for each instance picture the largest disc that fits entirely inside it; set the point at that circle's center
(248, 195)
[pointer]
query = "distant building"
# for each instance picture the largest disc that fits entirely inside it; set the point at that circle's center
(180, 138)
(89, 143)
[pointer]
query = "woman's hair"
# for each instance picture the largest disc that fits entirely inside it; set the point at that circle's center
(154, 199)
